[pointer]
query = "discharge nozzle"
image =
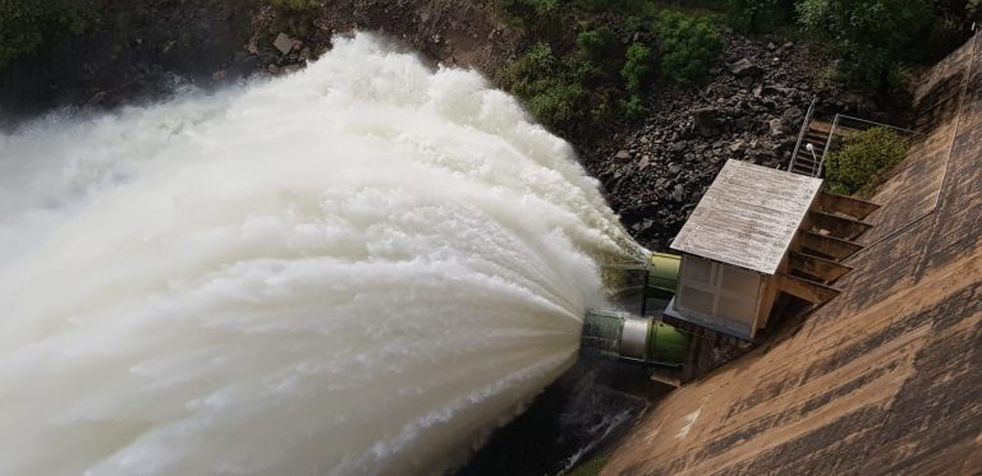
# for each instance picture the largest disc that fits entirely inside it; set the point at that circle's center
(626, 336)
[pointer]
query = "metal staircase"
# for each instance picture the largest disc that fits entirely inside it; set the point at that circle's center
(810, 148)
(817, 139)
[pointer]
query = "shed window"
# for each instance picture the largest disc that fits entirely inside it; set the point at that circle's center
(739, 281)
(718, 292)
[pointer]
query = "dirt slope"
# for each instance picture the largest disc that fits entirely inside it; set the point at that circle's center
(886, 378)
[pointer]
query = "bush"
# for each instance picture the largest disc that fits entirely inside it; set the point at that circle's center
(688, 45)
(20, 30)
(639, 69)
(752, 16)
(526, 12)
(557, 103)
(547, 88)
(868, 36)
(864, 159)
(598, 55)
(634, 108)
(297, 5)
(26, 25)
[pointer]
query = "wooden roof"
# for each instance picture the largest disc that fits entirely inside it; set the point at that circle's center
(748, 217)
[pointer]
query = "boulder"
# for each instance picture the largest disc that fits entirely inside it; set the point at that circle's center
(283, 43)
(678, 193)
(777, 128)
(792, 116)
(744, 68)
(706, 121)
(622, 157)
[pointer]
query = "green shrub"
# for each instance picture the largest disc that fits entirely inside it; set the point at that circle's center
(557, 103)
(20, 30)
(863, 160)
(526, 12)
(547, 87)
(639, 69)
(752, 16)
(634, 108)
(26, 25)
(604, 6)
(297, 5)
(598, 55)
(688, 46)
(869, 36)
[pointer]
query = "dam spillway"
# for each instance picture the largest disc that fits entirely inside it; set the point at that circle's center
(362, 267)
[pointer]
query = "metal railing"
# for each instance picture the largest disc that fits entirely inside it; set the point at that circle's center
(842, 125)
(801, 134)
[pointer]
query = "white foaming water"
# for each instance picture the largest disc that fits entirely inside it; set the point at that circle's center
(359, 268)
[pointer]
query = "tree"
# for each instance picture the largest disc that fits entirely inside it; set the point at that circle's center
(868, 36)
(639, 69)
(688, 45)
(752, 16)
(27, 25)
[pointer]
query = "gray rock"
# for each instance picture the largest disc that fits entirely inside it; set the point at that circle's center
(792, 116)
(678, 193)
(776, 126)
(283, 43)
(706, 121)
(775, 91)
(744, 68)
(642, 226)
(622, 156)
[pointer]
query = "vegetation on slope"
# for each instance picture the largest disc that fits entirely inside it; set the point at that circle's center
(26, 25)
(864, 160)
(607, 69)
(591, 62)
(689, 45)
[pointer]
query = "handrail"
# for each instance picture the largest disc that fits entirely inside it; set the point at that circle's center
(828, 145)
(880, 124)
(801, 133)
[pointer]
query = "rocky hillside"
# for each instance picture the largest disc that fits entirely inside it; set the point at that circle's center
(141, 51)
(752, 109)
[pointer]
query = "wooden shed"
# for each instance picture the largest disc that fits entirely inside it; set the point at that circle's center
(748, 240)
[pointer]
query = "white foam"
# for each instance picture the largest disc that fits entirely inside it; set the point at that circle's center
(358, 268)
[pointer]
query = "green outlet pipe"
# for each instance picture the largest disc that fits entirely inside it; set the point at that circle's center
(663, 276)
(627, 336)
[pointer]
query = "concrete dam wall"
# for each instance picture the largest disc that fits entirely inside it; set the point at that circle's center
(886, 377)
